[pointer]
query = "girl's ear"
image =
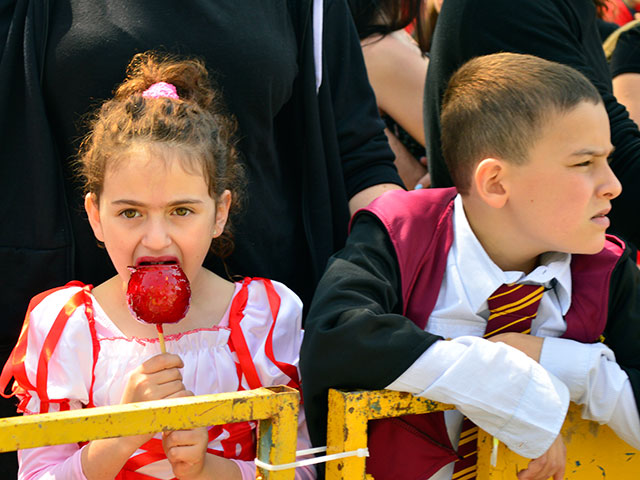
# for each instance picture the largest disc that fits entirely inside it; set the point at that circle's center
(222, 212)
(91, 207)
(489, 181)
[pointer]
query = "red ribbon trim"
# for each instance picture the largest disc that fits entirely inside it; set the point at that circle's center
(274, 303)
(236, 314)
(15, 366)
(50, 343)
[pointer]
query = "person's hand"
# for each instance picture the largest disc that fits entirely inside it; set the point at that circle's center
(528, 344)
(157, 378)
(550, 464)
(425, 181)
(186, 450)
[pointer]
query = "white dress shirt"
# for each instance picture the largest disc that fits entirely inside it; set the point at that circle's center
(521, 402)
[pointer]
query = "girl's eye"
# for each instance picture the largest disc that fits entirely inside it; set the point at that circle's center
(129, 213)
(182, 211)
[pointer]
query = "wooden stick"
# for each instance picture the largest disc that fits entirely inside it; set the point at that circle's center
(163, 349)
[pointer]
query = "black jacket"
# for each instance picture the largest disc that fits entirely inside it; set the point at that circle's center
(321, 150)
(564, 31)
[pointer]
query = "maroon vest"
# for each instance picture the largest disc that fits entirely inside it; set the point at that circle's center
(420, 226)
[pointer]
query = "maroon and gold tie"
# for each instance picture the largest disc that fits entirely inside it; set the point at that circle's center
(512, 308)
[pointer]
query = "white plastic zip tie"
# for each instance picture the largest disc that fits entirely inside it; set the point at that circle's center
(494, 452)
(360, 452)
(310, 451)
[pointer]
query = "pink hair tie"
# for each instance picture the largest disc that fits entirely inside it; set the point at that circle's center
(161, 90)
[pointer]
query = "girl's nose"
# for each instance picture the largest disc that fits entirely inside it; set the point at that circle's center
(156, 235)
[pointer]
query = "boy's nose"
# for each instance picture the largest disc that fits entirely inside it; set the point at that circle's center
(156, 236)
(611, 187)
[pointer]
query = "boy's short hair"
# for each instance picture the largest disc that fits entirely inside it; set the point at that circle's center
(496, 105)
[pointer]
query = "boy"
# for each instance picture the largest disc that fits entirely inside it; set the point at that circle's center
(405, 304)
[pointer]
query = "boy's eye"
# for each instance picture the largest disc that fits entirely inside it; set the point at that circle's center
(182, 211)
(129, 213)
(586, 163)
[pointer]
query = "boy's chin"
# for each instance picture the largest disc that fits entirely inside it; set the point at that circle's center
(592, 248)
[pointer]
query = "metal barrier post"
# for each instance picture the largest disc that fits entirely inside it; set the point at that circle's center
(349, 413)
(275, 407)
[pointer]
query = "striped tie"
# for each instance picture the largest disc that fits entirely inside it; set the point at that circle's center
(512, 308)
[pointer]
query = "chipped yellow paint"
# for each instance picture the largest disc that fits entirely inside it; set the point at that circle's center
(275, 407)
(349, 413)
(594, 452)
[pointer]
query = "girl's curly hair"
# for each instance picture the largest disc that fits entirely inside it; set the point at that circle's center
(196, 125)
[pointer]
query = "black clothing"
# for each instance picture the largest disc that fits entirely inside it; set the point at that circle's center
(357, 338)
(605, 28)
(306, 154)
(626, 55)
(564, 31)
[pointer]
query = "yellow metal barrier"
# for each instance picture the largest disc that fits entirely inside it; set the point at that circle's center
(349, 413)
(276, 408)
(593, 451)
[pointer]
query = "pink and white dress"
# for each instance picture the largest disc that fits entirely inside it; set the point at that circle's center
(70, 355)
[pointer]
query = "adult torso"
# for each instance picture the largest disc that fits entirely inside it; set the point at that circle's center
(251, 49)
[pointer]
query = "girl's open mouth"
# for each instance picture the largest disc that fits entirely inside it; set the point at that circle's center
(143, 261)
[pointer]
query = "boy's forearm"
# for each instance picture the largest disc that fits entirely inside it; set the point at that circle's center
(596, 381)
(504, 392)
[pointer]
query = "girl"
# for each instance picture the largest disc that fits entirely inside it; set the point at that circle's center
(161, 176)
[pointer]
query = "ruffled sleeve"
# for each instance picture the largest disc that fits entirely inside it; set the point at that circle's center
(269, 317)
(52, 362)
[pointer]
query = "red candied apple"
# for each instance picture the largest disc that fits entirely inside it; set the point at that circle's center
(158, 294)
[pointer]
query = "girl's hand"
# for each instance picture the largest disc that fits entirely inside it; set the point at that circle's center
(157, 378)
(186, 450)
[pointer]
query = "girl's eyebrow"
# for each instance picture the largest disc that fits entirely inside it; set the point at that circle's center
(135, 203)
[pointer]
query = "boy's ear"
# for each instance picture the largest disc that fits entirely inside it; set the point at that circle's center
(91, 207)
(489, 181)
(222, 212)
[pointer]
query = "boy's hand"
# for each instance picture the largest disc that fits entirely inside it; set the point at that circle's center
(186, 450)
(155, 379)
(550, 464)
(528, 344)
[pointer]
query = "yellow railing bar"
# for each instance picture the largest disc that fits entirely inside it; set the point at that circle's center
(276, 408)
(593, 450)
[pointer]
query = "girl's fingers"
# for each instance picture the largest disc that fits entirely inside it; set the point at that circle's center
(160, 362)
(165, 376)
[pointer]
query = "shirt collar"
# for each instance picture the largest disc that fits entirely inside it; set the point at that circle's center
(481, 276)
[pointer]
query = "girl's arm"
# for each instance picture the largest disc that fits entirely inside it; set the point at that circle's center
(156, 379)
